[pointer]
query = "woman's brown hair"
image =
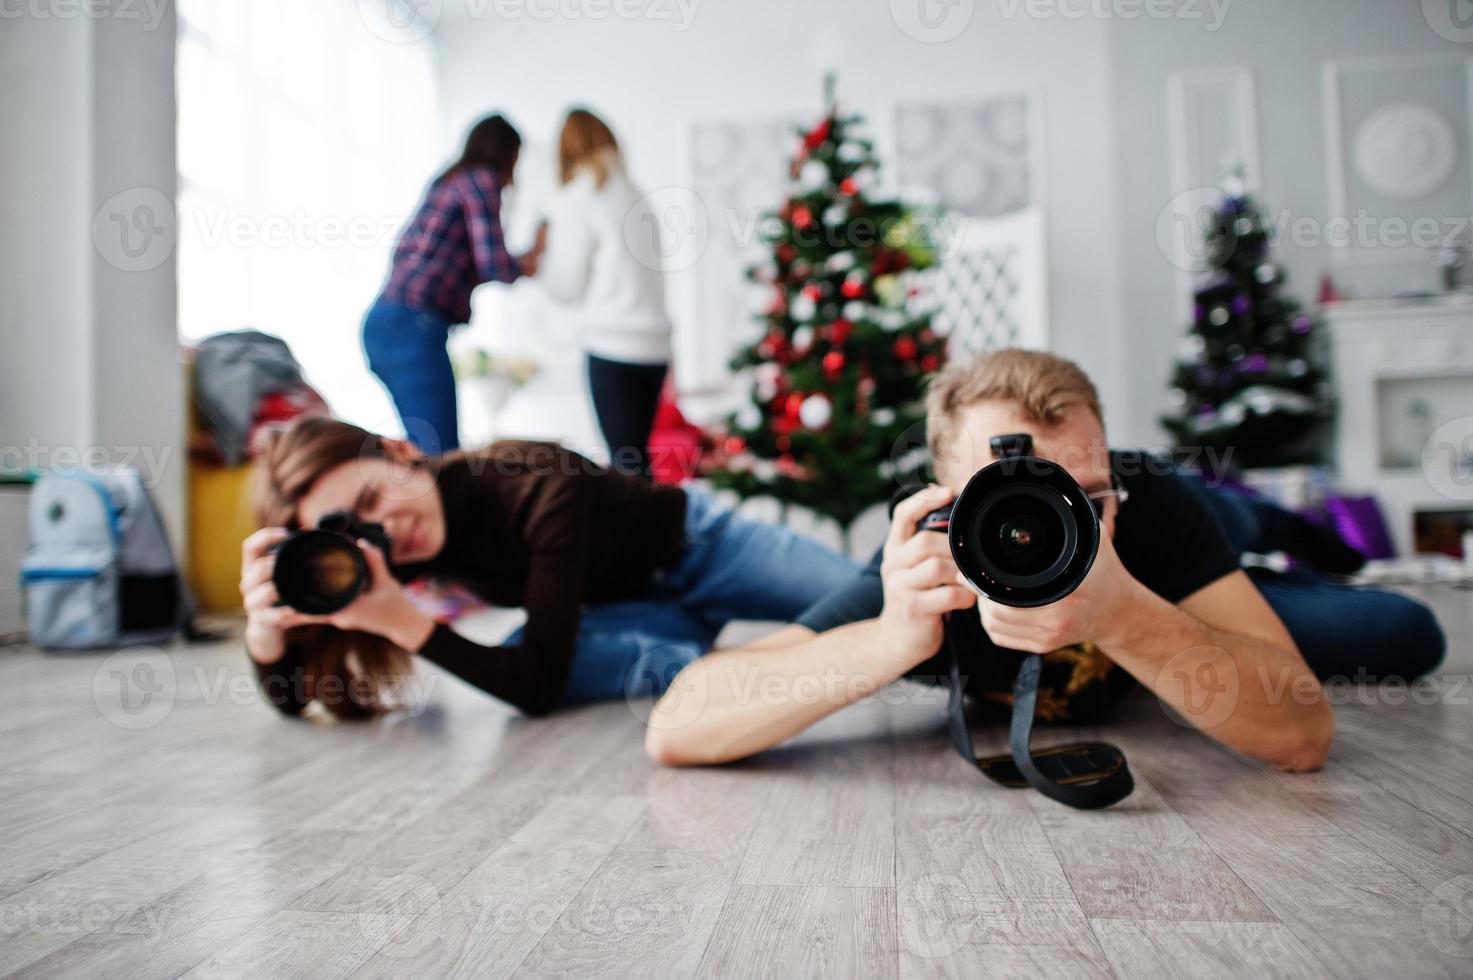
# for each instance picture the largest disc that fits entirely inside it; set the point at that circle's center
(352, 673)
(586, 141)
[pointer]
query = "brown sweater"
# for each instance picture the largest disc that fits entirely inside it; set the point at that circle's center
(534, 525)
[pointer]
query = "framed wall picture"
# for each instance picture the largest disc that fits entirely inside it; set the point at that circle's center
(1399, 179)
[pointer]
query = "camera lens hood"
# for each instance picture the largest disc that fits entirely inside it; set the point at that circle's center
(1023, 532)
(319, 572)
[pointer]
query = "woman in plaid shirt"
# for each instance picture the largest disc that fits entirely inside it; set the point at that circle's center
(453, 244)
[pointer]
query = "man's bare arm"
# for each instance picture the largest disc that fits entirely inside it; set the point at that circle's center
(735, 703)
(1225, 662)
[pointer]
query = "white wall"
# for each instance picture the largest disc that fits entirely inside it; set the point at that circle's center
(88, 351)
(753, 60)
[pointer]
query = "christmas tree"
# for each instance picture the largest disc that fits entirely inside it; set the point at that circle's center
(838, 372)
(1249, 379)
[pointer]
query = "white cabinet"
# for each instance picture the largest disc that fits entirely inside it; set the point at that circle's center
(1404, 431)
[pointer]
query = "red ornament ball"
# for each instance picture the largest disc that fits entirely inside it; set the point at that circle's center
(818, 134)
(852, 288)
(802, 217)
(906, 348)
(793, 404)
(930, 362)
(833, 363)
(784, 443)
(734, 445)
(813, 291)
(840, 330)
(848, 186)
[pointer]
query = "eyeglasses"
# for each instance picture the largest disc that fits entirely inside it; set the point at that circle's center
(1098, 498)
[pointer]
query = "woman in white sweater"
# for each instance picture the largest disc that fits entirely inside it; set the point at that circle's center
(619, 301)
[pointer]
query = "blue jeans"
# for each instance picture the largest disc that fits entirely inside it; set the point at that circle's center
(730, 568)
(1342, 631)
(406, 349)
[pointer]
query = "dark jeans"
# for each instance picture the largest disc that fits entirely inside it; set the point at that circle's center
(625, 397)
(406, 349)
(1343, 631)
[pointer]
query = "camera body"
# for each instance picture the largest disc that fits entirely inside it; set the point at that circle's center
(321, 570)
(1022, 531)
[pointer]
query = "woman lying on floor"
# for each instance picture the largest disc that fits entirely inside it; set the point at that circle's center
(623, 582)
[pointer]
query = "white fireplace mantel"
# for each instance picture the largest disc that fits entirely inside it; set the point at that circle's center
(1401, 370)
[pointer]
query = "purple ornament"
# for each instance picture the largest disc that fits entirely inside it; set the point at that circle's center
(1303, 324)
(1197, 311)
(1205, 411)
(1241, 305)
(1255, 363)
(1360, 522)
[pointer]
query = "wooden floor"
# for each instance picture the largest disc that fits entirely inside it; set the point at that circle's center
(158, 821)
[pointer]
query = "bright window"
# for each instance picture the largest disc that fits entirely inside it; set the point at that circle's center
(305, 141)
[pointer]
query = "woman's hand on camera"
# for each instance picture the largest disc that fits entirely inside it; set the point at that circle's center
(384, 608)
(1091, 613)
(919, 578)
(265, 620)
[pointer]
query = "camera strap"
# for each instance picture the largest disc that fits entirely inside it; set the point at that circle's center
(1083, 775)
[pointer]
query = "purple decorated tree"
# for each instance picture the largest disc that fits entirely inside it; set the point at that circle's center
(1249, 376)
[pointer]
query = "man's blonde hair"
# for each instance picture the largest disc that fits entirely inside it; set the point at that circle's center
(1045, 386)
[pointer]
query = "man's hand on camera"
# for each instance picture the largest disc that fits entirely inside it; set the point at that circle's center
(1095, 612)
(920, 579)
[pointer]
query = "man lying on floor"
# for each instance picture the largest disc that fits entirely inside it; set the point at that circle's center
(1166, 603)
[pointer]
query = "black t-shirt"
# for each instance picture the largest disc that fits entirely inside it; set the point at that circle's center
(1166, 536)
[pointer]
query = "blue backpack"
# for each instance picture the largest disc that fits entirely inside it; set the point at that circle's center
(99, 571)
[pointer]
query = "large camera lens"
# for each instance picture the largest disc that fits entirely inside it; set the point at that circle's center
(1023, 532)
(319, 572)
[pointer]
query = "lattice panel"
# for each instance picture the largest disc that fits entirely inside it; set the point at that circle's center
(976, 295)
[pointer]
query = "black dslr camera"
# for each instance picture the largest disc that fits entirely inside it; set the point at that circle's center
(320, 570)
(1022, 531)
